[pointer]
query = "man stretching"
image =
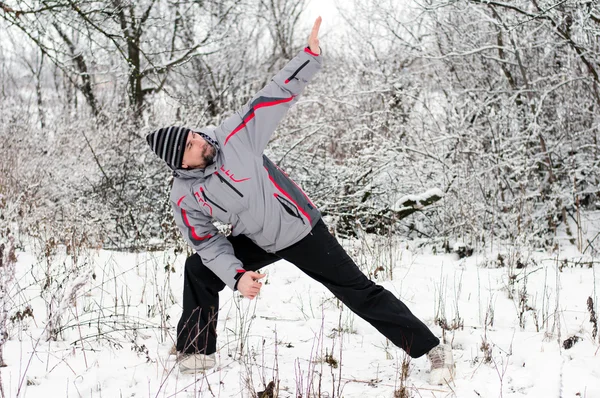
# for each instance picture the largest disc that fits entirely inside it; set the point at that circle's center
(222, 174)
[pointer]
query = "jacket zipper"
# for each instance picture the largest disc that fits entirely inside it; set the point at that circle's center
(289, 207)
(211, 201)
(230, 186)
(297, 71)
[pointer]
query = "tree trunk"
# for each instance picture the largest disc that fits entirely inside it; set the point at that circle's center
(86, 81)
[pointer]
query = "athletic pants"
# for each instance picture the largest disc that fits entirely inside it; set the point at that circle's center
(320, 256)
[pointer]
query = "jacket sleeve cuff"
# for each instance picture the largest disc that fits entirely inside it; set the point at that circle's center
(307, 49)
(238, 275)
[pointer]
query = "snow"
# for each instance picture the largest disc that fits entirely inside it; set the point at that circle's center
(295, 323)
(418, 200)
(458, 245)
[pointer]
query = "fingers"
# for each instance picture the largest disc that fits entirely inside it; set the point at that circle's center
(250, 287)
(255, 275)
(315, 30)
(253, 291)
(313, 39)
(316, 27)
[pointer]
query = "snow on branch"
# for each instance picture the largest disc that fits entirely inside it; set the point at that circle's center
(410, 203)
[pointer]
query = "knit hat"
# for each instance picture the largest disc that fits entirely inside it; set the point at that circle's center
(169, 144)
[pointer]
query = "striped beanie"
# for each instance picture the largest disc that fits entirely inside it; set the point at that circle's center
(169, 144)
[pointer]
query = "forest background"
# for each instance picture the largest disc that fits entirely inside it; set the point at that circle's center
(488, 107)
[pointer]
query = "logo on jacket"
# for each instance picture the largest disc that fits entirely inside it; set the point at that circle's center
(198, 195)
(229, 174)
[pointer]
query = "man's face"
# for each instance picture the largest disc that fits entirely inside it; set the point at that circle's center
(198, 153)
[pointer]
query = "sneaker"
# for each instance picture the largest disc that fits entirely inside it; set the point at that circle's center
(442, 364)
(196, 363)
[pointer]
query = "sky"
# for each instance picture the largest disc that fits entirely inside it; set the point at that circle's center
(328, 10)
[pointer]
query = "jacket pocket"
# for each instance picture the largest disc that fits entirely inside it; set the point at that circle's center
(212, 202)
(289, 79)
(234, 189)
(289, 207)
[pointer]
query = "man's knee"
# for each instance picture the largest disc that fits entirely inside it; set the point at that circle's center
(196, 271)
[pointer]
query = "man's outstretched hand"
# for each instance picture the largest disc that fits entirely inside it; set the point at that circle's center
(248, 285)
(313, 39)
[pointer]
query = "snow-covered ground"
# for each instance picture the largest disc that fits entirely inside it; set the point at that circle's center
(118, 330)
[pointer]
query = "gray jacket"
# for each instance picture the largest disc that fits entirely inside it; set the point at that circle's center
(243, 187)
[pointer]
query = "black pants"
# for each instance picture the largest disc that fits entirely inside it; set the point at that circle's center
(321, 257)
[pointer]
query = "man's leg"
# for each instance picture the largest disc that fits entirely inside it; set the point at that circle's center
(321, 257)
(196, 330)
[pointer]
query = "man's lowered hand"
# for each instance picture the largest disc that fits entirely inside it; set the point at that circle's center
(248, 285)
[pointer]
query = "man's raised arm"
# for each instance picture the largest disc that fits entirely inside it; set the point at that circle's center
(254, 124)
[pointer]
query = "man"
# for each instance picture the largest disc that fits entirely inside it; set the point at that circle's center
(221, 174)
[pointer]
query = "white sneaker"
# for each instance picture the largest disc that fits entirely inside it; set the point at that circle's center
(442, 365)
(196, 363)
